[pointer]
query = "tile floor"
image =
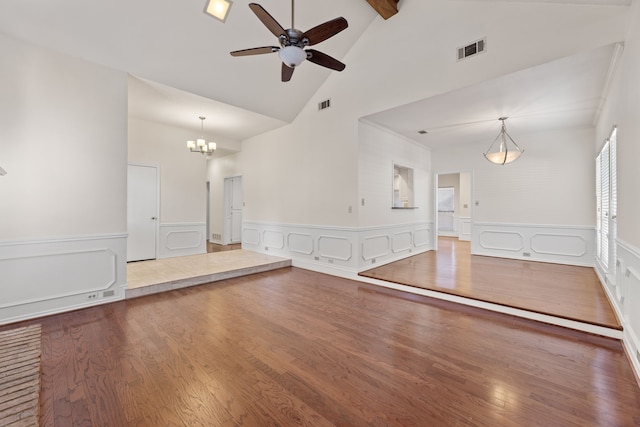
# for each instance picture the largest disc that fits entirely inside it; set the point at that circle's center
(172, 273)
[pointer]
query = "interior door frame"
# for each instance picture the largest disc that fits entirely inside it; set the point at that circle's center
(227, 196)
(157, 210)
(435, 201)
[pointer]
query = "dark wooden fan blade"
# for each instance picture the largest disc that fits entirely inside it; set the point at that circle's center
(325, 60)
(287, 72)
(255, 51)
(324, 31)
(268, 20)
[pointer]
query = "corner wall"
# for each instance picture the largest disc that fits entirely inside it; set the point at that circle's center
(63, 143)
(622, 108)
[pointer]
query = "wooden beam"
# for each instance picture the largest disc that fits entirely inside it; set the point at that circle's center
(385, 8)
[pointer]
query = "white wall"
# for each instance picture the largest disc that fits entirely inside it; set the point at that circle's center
(63, 142)
(183, 177)
(378, 151)
(541, 207)
(552, 183)
(623, 109)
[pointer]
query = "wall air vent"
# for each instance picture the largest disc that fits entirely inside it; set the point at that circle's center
(324, 104)
(474, 48)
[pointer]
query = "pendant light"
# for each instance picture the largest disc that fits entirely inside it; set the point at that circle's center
(506, 151)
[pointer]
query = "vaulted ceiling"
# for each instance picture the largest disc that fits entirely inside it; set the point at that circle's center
(181, 68)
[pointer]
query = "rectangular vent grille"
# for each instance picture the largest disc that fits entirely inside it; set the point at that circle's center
(107, 294)
(474, 48)
(216, 236)
(324, 104)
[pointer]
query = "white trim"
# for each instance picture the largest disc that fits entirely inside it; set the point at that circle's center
(552, 320)
(37, 241)
(519, 225)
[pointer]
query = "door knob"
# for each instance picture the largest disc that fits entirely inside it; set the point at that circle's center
(153, 218)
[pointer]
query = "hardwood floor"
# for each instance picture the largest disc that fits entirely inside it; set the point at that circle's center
(294, 347)
(563, 291)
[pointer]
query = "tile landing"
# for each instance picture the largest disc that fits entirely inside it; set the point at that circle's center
(161, 275)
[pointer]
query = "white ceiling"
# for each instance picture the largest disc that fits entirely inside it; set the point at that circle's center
(182, 67)
(565, 93)
(174, 43)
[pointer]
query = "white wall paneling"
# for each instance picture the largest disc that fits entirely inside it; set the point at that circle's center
(338, 250)
(465, 229)
(625, 297)
(43, 277)
(573, 245)
(182, 239)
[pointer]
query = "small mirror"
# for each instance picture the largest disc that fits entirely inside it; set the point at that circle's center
(402, 187)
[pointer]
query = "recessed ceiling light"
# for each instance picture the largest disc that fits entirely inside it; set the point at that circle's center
(423, 132)
(218, 9)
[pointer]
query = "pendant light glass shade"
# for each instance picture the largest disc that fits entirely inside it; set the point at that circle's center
(292, 56)
(503, 149)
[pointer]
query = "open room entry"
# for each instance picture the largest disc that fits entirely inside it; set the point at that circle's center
(453, 205)
(233, 204)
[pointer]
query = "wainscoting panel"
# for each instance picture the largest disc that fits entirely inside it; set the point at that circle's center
(300, 243)
(338, 250)
(401, 242)
(273, 239)
(625, 297)
(505, 241)
(50, 276)
(422, 238)
(573, 245)
(182, 239)
(375, 247)
(465, 229)
(335, 247)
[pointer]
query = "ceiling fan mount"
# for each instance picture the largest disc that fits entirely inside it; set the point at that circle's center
(293, 42)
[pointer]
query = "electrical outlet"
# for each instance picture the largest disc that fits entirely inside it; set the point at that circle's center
(92, 296)
(330, 261)
(373, 260)
(316, 258)
(350, 210)
(526, 253)
(266, 248)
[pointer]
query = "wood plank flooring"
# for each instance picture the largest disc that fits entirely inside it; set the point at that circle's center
(564, 291)
(20, 376)
(294, 347)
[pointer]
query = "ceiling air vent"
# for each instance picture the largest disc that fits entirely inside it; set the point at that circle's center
(324, 104)
(478, 46)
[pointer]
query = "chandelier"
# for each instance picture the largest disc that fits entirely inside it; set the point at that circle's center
(503, 153)
(200, 145)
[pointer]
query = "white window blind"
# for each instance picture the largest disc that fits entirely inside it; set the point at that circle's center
(604, 203)
(607, 205)
(613, 197)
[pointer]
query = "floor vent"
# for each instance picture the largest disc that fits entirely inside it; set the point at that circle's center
(215, 236)
(474, 48)
(107, 294)
(324, 104)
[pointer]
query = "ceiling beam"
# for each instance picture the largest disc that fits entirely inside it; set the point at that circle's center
(385, 8)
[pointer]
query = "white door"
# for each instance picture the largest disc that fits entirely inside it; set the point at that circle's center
(142, 212)
(233, 203)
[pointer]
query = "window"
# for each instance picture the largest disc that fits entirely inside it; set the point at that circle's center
(402, 187)
(606, 204)
(446, 208)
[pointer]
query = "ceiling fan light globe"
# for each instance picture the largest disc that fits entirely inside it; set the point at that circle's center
(292, 56)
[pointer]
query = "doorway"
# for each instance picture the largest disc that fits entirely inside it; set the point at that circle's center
(233, 205)
(142, 212)
(453, 205)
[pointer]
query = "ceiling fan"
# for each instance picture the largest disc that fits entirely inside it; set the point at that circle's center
(292, 50)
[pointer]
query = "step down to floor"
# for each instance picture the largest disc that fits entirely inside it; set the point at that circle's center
(206, 278)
